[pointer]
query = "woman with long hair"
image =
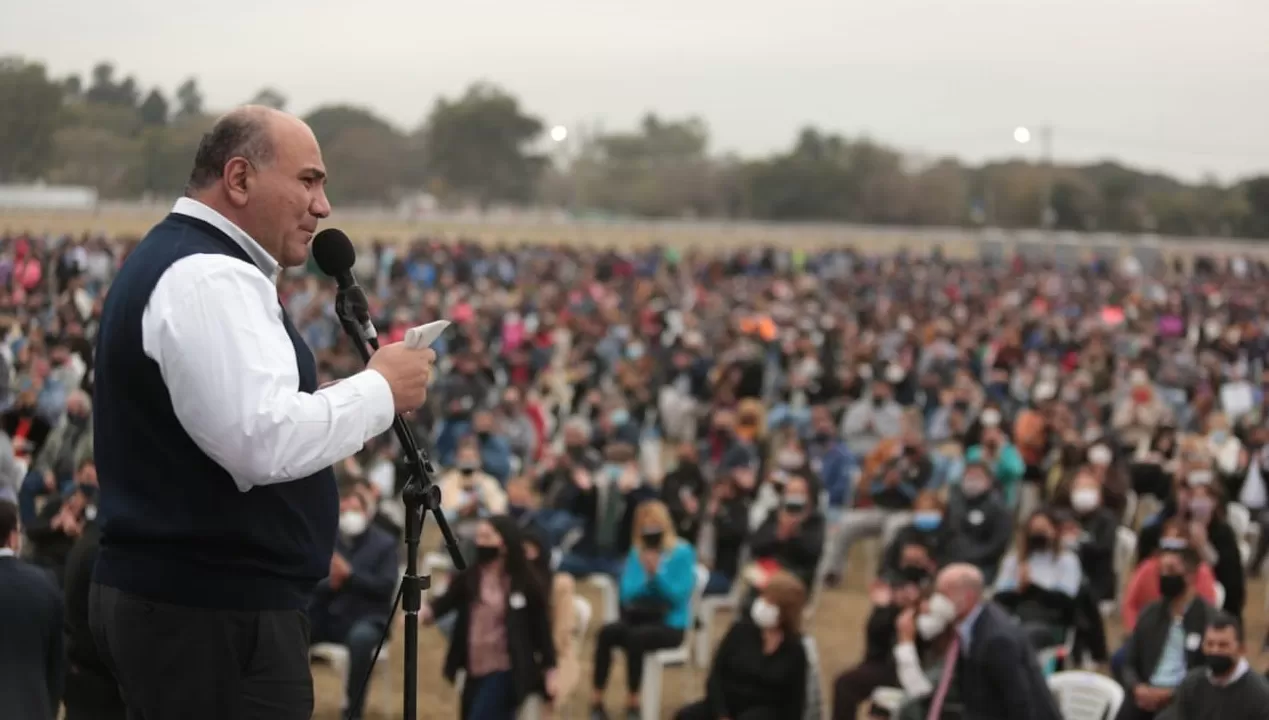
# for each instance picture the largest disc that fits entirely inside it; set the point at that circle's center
(502, 637)
(656, 592)
(1040, 580)
(563, 615)
(759, 670)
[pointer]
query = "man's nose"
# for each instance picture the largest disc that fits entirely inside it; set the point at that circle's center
(320, 206)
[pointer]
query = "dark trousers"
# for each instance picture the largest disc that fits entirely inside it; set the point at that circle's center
(91, 694)
(635, 640)
(489, 697)
(361, 639)
(853, 687)
(183, 663)
(702, 711)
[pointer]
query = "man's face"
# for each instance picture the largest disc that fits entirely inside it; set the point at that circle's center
(1223, 642)
(352, 502)
(286, 197)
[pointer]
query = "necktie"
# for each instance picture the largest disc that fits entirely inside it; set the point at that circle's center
(945, 682)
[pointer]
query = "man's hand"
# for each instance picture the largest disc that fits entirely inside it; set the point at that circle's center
(905, 626)
(407, 371)
(1142, 697)
(629, 481)
(339, 571)
(50, 481)
(581, 478)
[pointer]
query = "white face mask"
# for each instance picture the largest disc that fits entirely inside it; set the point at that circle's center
(352, 523)
(764, 614)
(1085, 499)
(930, 627)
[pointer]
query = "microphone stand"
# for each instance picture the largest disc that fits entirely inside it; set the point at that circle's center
(420, 495)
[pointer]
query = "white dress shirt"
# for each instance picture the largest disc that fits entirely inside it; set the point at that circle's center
(213, 325)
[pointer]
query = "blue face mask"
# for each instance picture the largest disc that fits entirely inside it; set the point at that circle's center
(619, 417)
(927, 520)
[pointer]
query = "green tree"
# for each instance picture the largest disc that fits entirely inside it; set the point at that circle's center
(153, 110)
(269, 97)
(189, 100)
(364, 153)
(30, 105)
(478, 147)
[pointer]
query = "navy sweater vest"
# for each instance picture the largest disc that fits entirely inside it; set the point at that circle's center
(175, 527)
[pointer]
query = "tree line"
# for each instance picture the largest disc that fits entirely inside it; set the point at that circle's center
(484, 148)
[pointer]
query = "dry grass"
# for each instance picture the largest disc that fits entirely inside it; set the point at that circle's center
(837, 627)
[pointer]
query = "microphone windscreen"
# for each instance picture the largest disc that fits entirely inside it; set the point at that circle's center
(333, 252)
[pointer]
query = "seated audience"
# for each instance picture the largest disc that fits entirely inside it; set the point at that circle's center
(69, 444)
(889, 492)
(1002, 459)
(684, 491)
(351, 606)
(979, 522)
(1143, 587)
(468, 493)
(759, 670)
(606, 500)
(1198, 502)
(728, 515)
(1094, 541)
(61, 521)
(1040, 580)
(502, 638)
(890, 600)
(927, 529)
(656, 592)
(1228, 688)
(1166, 642)
(793, 537)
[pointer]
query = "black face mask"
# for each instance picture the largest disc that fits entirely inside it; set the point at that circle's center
(795, 507)
(652, 540)
(486, 554)
(914, 574)
(467, 470)
(1038, 543)
(879, 400)
(1220, 665)
(483, 435)
(823, 438)
(1171, 586)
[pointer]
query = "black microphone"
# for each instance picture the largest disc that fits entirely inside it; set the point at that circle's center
(335, 256)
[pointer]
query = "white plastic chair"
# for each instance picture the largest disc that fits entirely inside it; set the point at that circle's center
(1239, 518)
(1125, 550)
(607, 595)
(1130, 509)
(813, 708)
(656, 662)
(889, 699)
(1086, 696)
(336, 655)
(711, 606)
(1220, 596)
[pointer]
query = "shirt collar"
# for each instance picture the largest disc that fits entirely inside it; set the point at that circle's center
(1240, 670)
(966, 626)
(7, 552)
(261, 257)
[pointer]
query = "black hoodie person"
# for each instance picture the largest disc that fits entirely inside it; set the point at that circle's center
(979, 523)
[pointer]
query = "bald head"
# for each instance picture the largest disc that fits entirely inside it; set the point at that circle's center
(262, 170)
(244, 132)
(963, 585)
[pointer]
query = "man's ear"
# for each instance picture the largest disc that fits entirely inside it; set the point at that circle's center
(238, 179)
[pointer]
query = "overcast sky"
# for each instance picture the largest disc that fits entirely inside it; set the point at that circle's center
(1173, 85)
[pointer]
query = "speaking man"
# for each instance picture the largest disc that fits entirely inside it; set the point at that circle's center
(214, 443)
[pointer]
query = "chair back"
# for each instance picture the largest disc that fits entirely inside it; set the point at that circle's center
(813, 708)
(581, 620)
(1086, 696)
(1125, 550)
(1239, 518)
(694, 604)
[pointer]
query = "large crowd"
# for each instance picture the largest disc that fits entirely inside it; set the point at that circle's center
(691, 431)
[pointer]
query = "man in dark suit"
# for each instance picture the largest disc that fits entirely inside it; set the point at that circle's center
(31, 659)
(1166, 643)
(351, 606)
(992, 665)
